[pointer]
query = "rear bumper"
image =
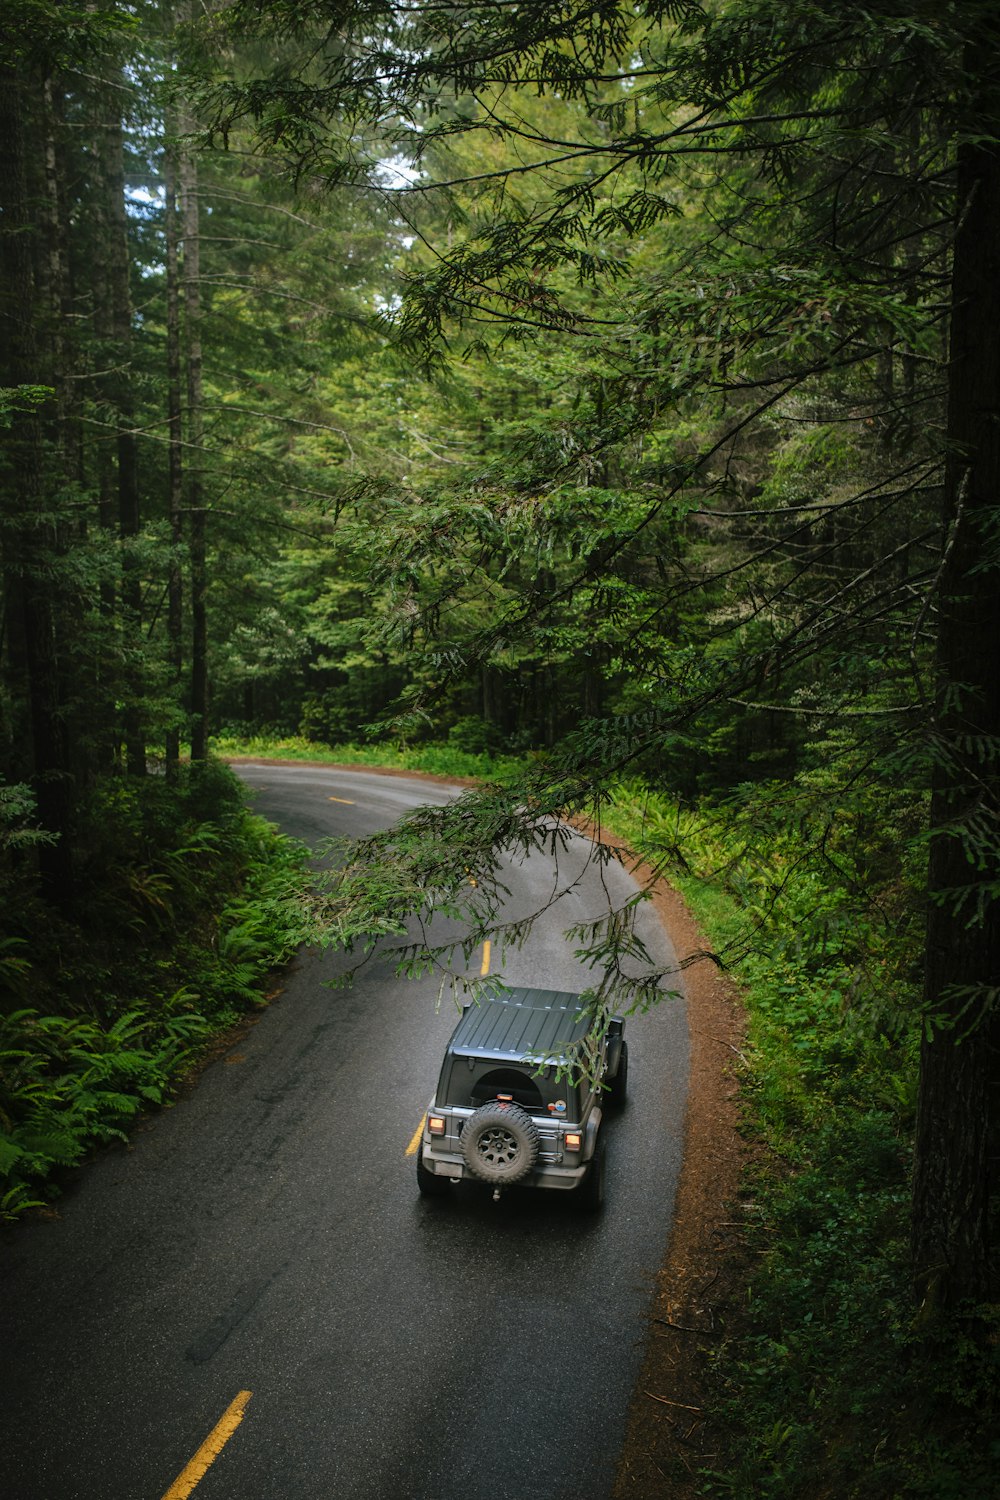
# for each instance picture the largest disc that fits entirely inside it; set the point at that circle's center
(545, 1175)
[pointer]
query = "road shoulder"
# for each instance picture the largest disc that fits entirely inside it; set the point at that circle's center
(670, 1435)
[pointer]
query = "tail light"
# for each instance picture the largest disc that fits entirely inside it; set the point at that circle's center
(435, 1124)
(573, 1140)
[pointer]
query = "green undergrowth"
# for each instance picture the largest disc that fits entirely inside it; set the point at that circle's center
(825, 1382)
(185, 905)
(432, 759)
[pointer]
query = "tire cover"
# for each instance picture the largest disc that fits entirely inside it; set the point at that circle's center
(500, 1143)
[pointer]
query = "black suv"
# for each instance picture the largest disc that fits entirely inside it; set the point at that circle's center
(526, 1077)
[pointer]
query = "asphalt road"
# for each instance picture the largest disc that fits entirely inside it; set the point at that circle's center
(265, 1236)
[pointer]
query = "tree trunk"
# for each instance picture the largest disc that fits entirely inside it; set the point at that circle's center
(175, 596)
(191, 282)
(119, 383)
(107, 664)
(31, 533)
(950, 1216)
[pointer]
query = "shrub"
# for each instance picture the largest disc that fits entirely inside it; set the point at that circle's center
(188, 903)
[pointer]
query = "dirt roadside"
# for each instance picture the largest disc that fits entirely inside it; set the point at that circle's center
(670, 1435)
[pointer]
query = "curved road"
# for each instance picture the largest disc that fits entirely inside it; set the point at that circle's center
(265, 1236)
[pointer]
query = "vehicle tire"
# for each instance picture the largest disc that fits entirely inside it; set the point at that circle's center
(500, 1143)
(618, 1086)
(590, 1193)
(429, 1185)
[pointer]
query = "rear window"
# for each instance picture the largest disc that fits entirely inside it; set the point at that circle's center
(467, 1082)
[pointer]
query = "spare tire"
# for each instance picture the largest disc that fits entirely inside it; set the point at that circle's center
(500, 1143)
(618, 1086)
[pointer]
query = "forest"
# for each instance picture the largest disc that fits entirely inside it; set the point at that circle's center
(597, 401)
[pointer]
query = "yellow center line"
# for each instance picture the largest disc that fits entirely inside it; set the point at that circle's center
(486, 958)
(209, 1450)
(411, 1150)
(344, 800)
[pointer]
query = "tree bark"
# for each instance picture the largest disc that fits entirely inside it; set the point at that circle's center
(119, 389)
(30, 532)
(175, 595)
(107, 670)
(191, 283)
(950, 1215)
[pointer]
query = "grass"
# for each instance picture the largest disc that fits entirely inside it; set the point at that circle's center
(436, 760)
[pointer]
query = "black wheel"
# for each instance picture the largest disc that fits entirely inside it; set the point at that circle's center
(429, 1185)
(500, 1143)
(618, 1086)
(590, 1193)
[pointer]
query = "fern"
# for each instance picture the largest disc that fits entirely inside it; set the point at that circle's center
(69, 1082)
(10, 1154)
(15, 970)
(17, 1201)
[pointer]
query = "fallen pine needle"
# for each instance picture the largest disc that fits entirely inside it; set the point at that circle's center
(679, 1404)
(682, 1327)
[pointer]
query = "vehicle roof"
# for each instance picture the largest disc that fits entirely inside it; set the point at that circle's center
(521, 1023)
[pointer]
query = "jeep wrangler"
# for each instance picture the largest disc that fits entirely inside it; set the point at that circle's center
(526, 1077)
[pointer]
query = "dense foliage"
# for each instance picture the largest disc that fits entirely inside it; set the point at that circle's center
(190, 906)
(602, 391)
(824, 1370)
